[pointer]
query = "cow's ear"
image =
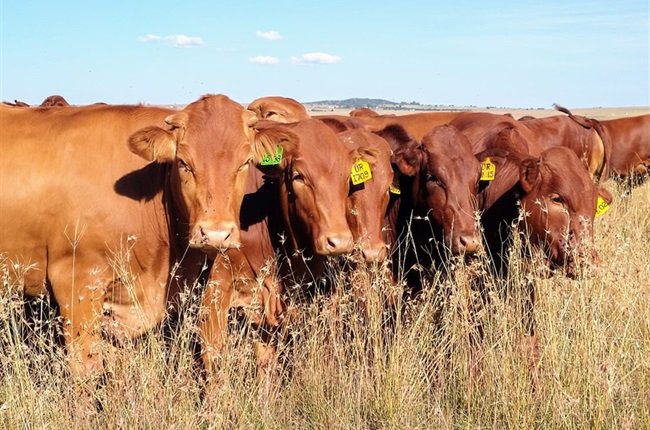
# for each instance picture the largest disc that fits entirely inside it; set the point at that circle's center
(606, 195)
(249, 119)
(408, 159)
(366, 153)
(529, 174)
(154, 144)
(273, 145)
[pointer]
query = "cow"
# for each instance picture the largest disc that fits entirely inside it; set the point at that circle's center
(113, 209)
(363, 112)
(541, 134)
(630, 142)
(368, 200)
(55, 101)
(417, 125)
(551, 201)
(437, 203)
(16, 103)
(627, 141)
(278, 109)
(293, 216)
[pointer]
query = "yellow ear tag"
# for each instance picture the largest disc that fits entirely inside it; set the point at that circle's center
(395, 190)
(488, 170)
(360, 172)
(272, 159)
(601, 206)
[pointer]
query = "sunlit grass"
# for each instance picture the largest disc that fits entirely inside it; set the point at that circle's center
(343, 366)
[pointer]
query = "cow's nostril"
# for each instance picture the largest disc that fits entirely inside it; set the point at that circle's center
(469, 243)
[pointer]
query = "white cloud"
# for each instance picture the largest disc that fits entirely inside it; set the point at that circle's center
(175, 40)
(316, 58)
(149, 38)
(264, 59)
(269, 35)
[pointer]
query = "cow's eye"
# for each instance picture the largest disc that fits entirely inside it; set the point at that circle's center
(556, 198)
(298, 177)
(184, 166)
(243, 167)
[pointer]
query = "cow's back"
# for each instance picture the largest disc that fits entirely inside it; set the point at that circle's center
(630, 139)
(69, 183)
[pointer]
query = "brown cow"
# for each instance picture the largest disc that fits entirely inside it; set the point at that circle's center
(556, 194)
(627, 141)
(630, 142)
(17, 103)
(541, 134)
(296, 209)
(372, 196)
(434, 214)
(55, 101)
(363, 112)
(417, 125)
(368, 201)
(551, 200)
(99, 203)
(278, 109)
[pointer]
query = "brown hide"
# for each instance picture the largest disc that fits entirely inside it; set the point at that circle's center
(445, 181)
(368, 201)
(55, 101)
(541, 134)
(278, 109)
(630, 146)
(556, 195)
(102, 223)
(297, 208)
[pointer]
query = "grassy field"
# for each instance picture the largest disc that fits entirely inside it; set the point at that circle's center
(341, 368)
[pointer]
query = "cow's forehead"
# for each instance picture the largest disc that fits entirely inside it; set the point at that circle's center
(453, 163)
(567, 176)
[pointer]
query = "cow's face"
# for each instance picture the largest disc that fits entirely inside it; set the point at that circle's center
(314, 172)
(368, 200)
(559, 206)
(208, 145)
(447, 175)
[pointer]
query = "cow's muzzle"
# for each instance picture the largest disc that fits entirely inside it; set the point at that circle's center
(215, 237)
(334, 244)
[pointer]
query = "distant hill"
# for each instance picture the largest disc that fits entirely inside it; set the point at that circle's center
(381, 104)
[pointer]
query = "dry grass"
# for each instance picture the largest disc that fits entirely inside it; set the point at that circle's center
(343, 368)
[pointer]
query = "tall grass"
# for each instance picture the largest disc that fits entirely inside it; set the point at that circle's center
(344, 366)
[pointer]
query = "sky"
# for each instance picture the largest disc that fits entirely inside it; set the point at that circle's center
(527, 54)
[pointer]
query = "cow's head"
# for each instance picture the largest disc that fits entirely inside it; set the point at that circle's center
(278, 109)
(558, 203)
(368, 200)
(446, 176)
(208, 145)
(314, 171)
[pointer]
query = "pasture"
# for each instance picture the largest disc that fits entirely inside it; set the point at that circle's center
(341, 367)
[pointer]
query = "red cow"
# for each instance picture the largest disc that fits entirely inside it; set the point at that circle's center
(100, 203)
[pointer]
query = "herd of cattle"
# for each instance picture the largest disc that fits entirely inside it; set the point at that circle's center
(114, 210)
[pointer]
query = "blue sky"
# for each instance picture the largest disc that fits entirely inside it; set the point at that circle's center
(483, 53)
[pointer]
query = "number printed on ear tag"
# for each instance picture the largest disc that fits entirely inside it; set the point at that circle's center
(273, 159)
(601, 206)
(360, 172)
(395, 190)
(488, 170)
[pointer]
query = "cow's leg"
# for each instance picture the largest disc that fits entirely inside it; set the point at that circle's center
(531, 343)
(267, 362)
(78, 286)
(213, 325)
